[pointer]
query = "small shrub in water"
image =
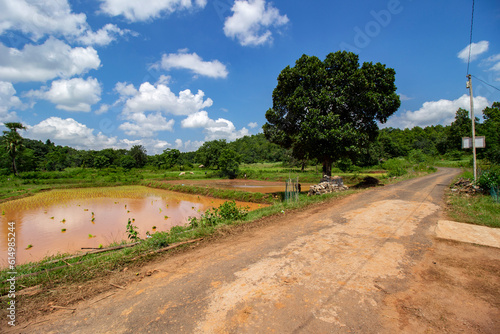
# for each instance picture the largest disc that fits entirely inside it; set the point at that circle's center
(132, 231)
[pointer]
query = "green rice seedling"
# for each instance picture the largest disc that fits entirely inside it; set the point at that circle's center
(128, 211)
(63, 221)
(166, 217)
(29, 246)
(91, 236)
(63, 230)
(92, 220)
(132, 231)
(100, 246)
(154, 227)
(160, 209)
(3, 212)
(85, 209)
(52, 217)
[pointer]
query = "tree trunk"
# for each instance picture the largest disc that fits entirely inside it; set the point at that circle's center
(327, 166)
(14, 166)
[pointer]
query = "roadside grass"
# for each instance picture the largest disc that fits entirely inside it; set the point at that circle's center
(462, 163)
(479, 209)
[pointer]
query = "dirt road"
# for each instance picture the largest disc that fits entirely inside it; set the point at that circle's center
(365, 264)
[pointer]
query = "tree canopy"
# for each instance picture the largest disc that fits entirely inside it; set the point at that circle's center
(329, 109)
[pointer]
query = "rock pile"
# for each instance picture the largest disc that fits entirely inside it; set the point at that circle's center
(465, 186)
(327, 185)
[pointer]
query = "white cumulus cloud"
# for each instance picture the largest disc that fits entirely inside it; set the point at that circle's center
(37, 19)
(47, 61)
(213, 129)
(159, 101)
(102, 109)
(194, 63)
(71, 95)
(143, 125)
(159, 97)
(251, 21)
(188, 146)
(493, 62)
(437, 112)
(475, 50)
(71, 133)
(75, 134)
(134, 10)
(253, 125)
(8, 101)
(103, 36)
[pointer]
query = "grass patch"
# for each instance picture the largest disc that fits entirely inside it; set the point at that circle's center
(479, 209)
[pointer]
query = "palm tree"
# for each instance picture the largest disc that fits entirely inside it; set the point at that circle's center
(13, 141)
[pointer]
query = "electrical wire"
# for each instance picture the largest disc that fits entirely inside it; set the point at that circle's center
(472, 75)
(470, 40)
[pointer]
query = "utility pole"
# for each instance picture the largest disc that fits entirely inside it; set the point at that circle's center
(469, 85)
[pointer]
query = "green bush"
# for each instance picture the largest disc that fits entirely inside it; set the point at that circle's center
(227, 211)
(417, 156)
(454, 155)
(396, 167)
(489, 178)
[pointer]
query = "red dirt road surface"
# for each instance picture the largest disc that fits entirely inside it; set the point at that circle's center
(369, 263)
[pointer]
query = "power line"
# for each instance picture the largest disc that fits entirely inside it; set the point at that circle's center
(470, 40)
(485, 82)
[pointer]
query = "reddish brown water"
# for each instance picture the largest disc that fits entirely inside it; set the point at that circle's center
(93, 217)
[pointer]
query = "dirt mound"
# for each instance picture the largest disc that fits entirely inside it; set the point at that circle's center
(368, 182)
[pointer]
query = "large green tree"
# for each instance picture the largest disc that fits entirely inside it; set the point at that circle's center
(459, 128)
(208, 154)
(491, 127)
(229, 162)
(329, 109)
(139, 153)
(13, 141)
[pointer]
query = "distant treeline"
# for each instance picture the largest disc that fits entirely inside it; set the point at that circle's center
(37, 155)
(436, 140)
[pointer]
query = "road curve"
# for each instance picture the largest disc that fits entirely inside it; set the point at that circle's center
(321, 270)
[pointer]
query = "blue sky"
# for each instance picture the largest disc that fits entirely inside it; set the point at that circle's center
(175, 73)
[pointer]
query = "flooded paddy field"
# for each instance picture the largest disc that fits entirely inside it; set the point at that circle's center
(65, 221)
